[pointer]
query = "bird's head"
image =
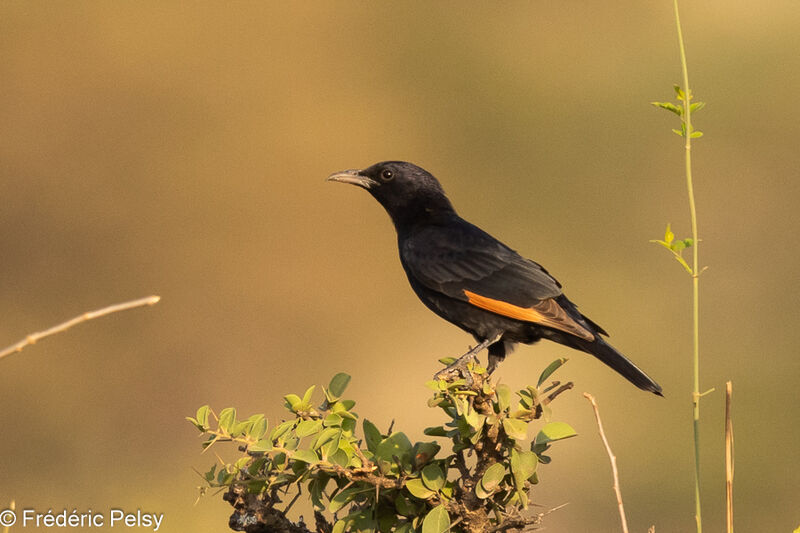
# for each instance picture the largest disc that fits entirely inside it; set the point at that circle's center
(409, 193)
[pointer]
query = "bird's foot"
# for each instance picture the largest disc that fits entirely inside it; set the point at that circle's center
(456, 369)
(460, 366)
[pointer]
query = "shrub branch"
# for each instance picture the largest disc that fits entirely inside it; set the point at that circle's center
(381, 481)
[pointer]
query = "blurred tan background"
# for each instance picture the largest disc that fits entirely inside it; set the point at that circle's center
(180, 149)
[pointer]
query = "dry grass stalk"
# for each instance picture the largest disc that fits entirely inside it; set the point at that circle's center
(85, 317)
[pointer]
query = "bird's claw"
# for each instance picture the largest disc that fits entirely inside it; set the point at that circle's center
(457, 369)
(459, 366)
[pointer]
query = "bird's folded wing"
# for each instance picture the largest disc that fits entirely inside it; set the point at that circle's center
(468, 264)
(451, 259)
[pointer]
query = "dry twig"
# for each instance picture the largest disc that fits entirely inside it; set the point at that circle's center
(728, 457)
(90, 315)
(613, 462)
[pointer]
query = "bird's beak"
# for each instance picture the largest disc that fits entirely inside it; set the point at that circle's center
(352, 177)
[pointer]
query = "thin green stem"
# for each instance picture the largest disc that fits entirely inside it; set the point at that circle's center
(687, 116)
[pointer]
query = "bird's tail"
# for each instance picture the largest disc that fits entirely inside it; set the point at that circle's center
(610, 356)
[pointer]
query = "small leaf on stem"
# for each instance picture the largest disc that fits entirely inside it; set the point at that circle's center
(669, 107)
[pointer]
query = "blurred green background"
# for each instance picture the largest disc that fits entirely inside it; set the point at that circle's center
(180, 149)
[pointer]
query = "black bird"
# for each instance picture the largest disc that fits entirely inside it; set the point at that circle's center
(471, 279)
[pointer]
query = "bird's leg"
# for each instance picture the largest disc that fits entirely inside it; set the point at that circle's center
(459, 366)
(497, 352)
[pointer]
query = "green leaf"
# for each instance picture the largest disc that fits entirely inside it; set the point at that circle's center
(523, 466)
(474, 419)
(329, 446)
(241, 463)
(424, 452)
(338, 527)
(404, 528)
(339, 457)
(280, 461)
(316, 488)
(521, 498)
(396, 444)
(405, 507)
(202, 416)
(342, 408)
(197, 424)
(437, 431)
(481, 492)
(418, 489)
(696, 134)
(552, 367)
(447, 491)
(345, 404)
(307, 456)
(281, 429)
(308, 427)
(227, 418)
(292, 402)
(697, 106)
(554, 431)
(348, 426)
(344, 497)
(372, 435)
(308, 394)
(534, 392)
(326, 436)
(333, 420)
(433, 385)
(240, 428)
(476, 436)
(435, 401)
(493, 476)
(515, 428)
(258, 427)
(433, 477)
(437, 521)
(349, 448)
(678, 92)
(526, 400)
(669, 107)
(362, 521)
(447, 361)
(222, 477)
(263, 445)
(337, 386)
(386, 520)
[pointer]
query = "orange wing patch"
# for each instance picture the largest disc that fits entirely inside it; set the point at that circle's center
(546, 313)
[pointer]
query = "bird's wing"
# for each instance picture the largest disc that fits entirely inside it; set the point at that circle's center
(464, 262)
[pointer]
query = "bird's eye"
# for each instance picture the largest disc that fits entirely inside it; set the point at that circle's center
(387, 175)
